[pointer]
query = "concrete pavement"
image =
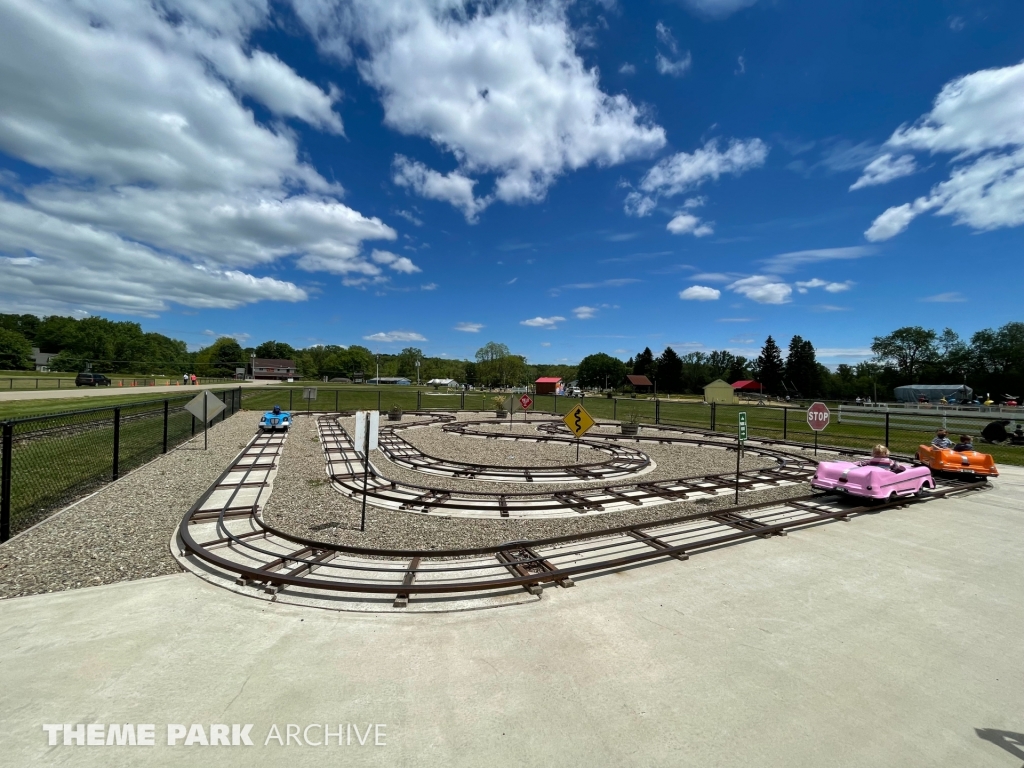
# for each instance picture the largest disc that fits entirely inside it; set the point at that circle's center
(896, 639)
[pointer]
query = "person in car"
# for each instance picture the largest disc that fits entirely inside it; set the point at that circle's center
(880, 458)
(966, 443)
(941, 440)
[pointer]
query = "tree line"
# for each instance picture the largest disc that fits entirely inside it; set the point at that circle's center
(989, 361)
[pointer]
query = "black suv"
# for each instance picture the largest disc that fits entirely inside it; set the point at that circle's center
(91, 380)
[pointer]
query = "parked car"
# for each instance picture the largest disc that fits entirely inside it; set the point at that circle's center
(959, 462)
(91, 380)
(871, 481)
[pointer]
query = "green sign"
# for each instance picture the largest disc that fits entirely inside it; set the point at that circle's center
(743, 426)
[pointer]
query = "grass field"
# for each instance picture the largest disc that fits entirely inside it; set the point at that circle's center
(15, 380)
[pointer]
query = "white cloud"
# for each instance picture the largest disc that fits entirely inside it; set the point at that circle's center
(241, 338)
(688, 224)
(741, 66)
(393, 261)
(762, 289)
(627, 69)
(700, 293)
(673, 68)
(410, 217)
(802, 286)
(979, 118)
(788, 262)
(469, 327)
(584, 312)
(717, 9)
(543, 322)
(429, 287)
(884, 169)
(545, 343)
(451, 188)
(946, 298)
(137, 112)
(684, 171)
(500, 86)
(392, 336)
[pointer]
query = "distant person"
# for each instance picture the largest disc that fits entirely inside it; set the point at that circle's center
(966, 444)
(880, 458)
(194, 380)
(941, 440)
(184, 379)
(1017, 438)
(995, 431)
(860, 401)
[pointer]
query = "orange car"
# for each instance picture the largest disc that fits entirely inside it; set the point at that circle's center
(961, 462)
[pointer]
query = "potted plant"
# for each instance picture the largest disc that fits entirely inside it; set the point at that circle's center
(631, 424)
(395, 413)
(499, 407)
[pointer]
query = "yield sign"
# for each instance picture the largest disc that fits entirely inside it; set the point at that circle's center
(578, 421)
(818, 416)
(205, 406)
(525, 401)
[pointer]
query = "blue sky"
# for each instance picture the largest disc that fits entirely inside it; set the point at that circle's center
(565, 178)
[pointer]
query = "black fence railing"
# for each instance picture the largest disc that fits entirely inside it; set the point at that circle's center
(116, 380)
(48, 461)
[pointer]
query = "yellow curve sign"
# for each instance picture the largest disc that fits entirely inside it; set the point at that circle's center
(578, 421)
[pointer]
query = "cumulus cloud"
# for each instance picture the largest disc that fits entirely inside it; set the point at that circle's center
(688, 224)
(392, 336)
(802, 286)
(137, 111)
(685, 171)
(393, 261)
(717, 9)
(453, 187)
(700, 293)
(884, 169)
(762, 289)
(627, 69)
(499, 86)
(584, 312)
(469, 327)
(543, 322)
(979, 119)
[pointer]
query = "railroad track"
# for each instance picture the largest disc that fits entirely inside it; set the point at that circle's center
(347, 471)
(225, 531)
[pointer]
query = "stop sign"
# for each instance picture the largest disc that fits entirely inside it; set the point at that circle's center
(818, 416)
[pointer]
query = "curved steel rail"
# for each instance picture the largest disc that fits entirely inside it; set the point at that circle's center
(346, 468)
(225, 529)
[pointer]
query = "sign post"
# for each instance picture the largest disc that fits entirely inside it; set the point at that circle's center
(741, 435)
(578, 421)
(206, 406)
(367, 427)
(818, 417)
(525, 401)
(308, 394)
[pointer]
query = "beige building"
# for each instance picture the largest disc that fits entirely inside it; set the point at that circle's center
(719, 391)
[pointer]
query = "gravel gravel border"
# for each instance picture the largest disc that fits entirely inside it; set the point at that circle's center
(305, 504)
(122, 532)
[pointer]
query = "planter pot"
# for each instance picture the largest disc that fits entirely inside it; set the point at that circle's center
(501, 414)
(394, 415)
(629, 429)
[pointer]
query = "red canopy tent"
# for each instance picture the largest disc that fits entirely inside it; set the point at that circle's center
(748, 385)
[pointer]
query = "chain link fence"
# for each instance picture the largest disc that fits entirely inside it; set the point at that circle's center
(48, 461)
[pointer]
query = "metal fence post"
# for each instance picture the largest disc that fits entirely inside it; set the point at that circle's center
(336, 401)
(378, 397)
(657, 411)
(556, 403)
(5, 484)
(785, 423)
(193, 426)
(419, 400)
(887, 428)
(462, 407)
(713, 417)
(167, 407)
(615, 408)
(117, 443)
(290, 393)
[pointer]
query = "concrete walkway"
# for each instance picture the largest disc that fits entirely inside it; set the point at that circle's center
(896, 639)
(53, 394)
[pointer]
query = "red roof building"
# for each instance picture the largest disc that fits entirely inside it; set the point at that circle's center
(547, 385)
(748, 385)
(640, 383)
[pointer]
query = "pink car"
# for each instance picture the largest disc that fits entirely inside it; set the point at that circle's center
(879, 479)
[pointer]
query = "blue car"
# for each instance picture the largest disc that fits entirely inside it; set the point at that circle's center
(276, 419)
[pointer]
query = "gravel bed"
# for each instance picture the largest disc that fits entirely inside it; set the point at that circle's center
(500, 453)
(305, 504)
(122, 532)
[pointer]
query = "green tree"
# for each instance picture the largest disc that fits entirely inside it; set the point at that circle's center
(596, 370)
(275, 350)
(906, 349)
(770, 367)
(643, 364)
(220, 358)
(15, 351)
(670, 371)
(26, 325)
(802, 367)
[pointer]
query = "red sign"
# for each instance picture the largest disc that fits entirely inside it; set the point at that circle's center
(525, 401)
(818, 416)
